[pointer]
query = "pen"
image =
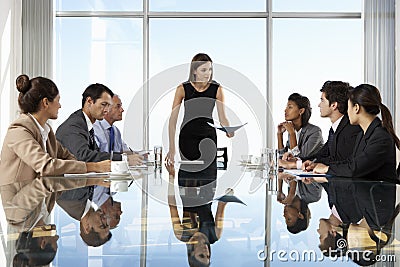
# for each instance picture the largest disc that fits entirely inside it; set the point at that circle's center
(111, 155)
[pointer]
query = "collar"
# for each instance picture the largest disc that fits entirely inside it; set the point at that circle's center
(44, 132)
(88, 122)
(374, 124)
(335, 125)
(104, 124)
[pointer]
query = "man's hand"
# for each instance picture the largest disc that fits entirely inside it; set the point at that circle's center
(135, 159)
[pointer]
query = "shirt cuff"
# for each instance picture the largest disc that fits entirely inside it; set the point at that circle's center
(295, 151)
(299, 164)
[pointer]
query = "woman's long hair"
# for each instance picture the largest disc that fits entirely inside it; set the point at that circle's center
(369, 98)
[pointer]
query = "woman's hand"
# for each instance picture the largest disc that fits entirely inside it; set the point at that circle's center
(288, 125)
(281, 128)
(101, 166)
(170, 168)
(321, 168)
(170, 157)
(230, 135)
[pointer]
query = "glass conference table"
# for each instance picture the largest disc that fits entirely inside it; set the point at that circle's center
(261, 232)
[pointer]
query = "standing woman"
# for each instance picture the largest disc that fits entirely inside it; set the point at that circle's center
(304, 138)
(30, 150)
(374, 155)
(197, 139)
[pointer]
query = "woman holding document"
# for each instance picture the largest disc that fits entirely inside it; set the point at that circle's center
(197, 139)
(30, 149)
(374, 155)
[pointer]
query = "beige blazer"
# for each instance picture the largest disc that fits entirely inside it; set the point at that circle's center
(22, 201)
(23, 157)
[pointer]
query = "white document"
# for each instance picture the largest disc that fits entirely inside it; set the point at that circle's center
(196, 162)
(301, 173)
(227, 129)
(86, 175)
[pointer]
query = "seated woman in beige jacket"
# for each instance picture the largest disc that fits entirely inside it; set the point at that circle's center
(31, 151)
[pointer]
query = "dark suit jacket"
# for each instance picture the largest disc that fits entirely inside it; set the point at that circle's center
(73, 133)
(341, 193)
(374, 156)
(74, 201)
(343, 143)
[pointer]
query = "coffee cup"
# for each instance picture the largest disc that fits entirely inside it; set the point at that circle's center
(119, 167)
(119, 186)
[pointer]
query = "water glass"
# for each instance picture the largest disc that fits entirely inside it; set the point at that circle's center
(157, 157)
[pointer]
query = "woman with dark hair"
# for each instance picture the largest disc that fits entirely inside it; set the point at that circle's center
(197, 139)
(37, 247)
(374, 155)
(31, 151)
(304, 138)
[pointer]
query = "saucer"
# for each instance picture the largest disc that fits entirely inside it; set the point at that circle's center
(119, 173)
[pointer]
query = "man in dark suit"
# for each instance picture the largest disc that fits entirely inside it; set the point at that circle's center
(77, 134)
(78, 203)
(342, 135)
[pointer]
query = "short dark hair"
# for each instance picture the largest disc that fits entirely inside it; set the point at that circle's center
(337, 91)
(94, 91)
(92, 238)
(32, 91)
(302, 102)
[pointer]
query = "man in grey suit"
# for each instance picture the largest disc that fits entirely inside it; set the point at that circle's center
(77, 134)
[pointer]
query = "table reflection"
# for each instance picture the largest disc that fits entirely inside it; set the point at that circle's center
(173, 219)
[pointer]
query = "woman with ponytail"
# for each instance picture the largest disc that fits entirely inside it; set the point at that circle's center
(374, 155)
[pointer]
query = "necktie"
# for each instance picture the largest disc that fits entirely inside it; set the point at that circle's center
(90, 192)
(112, 139)
(91, 139)
(330, 140)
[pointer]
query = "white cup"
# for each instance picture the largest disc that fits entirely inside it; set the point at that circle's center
(119, 186)
(119, 167)
(246, 158)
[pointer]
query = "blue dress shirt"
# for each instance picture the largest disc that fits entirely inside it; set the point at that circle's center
(102, 136)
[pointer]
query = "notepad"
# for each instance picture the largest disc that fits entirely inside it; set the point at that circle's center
(227, 129)
(301, 173)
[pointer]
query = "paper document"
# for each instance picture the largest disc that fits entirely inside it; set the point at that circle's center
(191, 162)
(227, 129)
(87, 175)
(301, 173)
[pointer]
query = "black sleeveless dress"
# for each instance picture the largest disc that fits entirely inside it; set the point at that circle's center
(198, 141)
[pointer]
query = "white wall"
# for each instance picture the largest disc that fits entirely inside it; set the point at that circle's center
(10, 60)
(10, 66)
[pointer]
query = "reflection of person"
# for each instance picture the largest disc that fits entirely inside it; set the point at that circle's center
(304, 138)
(200, 94)
(94, 227)
(105, 129)
(77, 133)
(37, 247)
(374, 155)
(103, 199)
(199, 232)
(296, 212)
(30, 151)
